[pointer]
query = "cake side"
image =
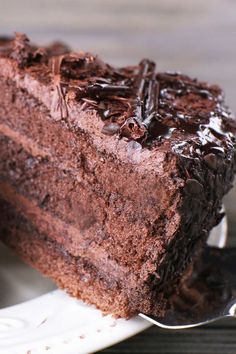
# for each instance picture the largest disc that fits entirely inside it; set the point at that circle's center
(28, 175)
(158, 161)
(115, 189)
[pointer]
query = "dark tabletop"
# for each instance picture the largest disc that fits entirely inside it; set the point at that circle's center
(196, 37)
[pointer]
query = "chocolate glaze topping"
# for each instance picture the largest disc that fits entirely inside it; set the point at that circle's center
(136, 103)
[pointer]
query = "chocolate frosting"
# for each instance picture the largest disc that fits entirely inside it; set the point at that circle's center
(136, 103)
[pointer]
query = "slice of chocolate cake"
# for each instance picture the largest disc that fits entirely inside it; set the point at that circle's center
(110, 179)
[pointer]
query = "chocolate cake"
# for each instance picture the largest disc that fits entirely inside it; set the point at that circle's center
(110, 179)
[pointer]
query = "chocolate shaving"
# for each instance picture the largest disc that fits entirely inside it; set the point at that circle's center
(26, 54)
(21, 50)
(99, 91)
(146, 67)
(79, 66)
(145, 104)
(152, 101)
(132, 129)
(59, 106)
(185, 86)
(105, 90)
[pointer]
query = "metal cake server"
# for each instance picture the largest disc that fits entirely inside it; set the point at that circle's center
(207, 295)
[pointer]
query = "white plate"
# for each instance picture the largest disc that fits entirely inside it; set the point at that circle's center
(55, 323)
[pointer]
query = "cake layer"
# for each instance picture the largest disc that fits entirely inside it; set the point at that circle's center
(135, 287)
(77, 275)
(92, 216)
(72, 241)
(26, 172)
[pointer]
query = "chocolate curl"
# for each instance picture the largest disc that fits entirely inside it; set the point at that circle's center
(21, 50)
(147, 68)
(24, 53)
(82, 64)
(151, 105)
(59, 108)
(145, 105)
(100, 91)
(132, 129)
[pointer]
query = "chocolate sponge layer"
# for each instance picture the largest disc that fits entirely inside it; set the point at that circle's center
(77, 275)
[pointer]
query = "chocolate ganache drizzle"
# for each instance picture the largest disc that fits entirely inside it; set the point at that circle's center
(136, 103)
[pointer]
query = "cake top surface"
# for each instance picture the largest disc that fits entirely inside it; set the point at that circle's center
(135, 103)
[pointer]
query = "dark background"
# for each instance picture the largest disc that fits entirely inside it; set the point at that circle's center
(195, 37)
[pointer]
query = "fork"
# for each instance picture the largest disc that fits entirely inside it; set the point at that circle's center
(206, 295)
